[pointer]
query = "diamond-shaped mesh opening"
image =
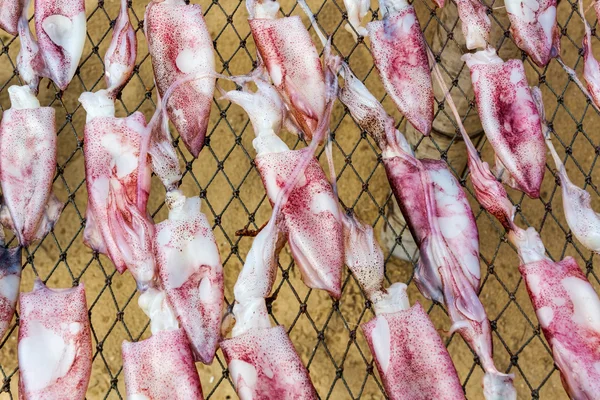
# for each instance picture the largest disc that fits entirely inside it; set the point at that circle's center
(325, 332)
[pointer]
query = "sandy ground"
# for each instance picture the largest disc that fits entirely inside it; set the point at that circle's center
(338, 361)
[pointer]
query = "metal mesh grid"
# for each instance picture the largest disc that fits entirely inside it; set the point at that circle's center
(324, 331)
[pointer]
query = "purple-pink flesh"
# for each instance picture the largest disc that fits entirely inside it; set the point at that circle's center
(263, 364)
(190, 271)
(61, 32)
(399, 53)
(440, 219)
(510, 119)
(180, 46)
(27, 166)
(475, 23)
(533, 27)
(55, 344)
(118, 224)
(411, 358)
(119, 59)
(10, 279)
(161, 368)
(295, 69)
(10, 11)
(568, 310)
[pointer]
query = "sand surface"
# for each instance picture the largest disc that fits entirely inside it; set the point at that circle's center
(326, 335)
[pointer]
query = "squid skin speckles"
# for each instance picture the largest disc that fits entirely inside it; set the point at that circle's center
(439, 217)
(119, 59)
(568, 310)
(190, 271)
(55, 345)
(291, 58)
(414, 364)
(180, 45)
(399, 53)
(10, 279)
(510, 119)
(61, 31)
(591, 67)
(161, 368)
(27, 165)
(410, 356)
(10, 11)
(263, 364)
(117, 221)
(475, 23)
(310, 218)
(533, 27)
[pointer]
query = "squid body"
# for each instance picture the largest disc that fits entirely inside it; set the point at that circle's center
(181, 49)
(191, 273)
(55, 345)
(510, 119)
(27, 167)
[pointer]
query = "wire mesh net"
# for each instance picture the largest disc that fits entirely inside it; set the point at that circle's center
(324, 331)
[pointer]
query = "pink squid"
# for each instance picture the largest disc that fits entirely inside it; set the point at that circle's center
(262, 361)
(441, 221)
(190, 271)
(180, 46)
(118, 184)
(591, 67)
(10, 279)
(583, 221)
(290, 56)
(510, 119)
(399, 53)
(10, 11)
(533, 27)
(411, 358)
(119, 59)
(55, 344)
(61, 31)
(27, 166)
(475, 23)
(309, 218)
(488, 190)
(566, 305)
(568, 310)
(161, 368)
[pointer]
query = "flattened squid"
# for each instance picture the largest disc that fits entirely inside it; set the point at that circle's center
(568, 310)
(510, 119)
(565, 303)
(441, 221)
(399, 53)
(411, 358)
(180, 45)
(55, 344)
(118, 184)
(10, 279)
(591, 67)
(119, 59)
(309, 218)
(262, 360)
(61, 31)
(190, 271)
(10, 11)
(27, 167)
(475, 23)
(290, 56)
(162, 366)
(533, 27)
(583, 221)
